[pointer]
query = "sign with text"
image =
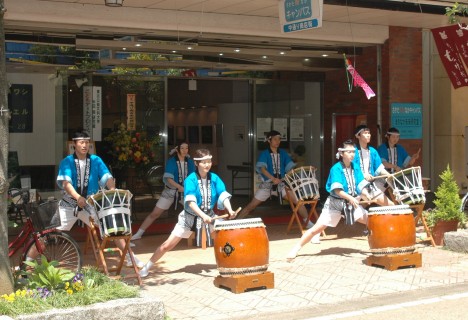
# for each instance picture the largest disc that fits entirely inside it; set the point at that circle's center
(92, 112)
(20, 103)
(299, 15)
(452, 45)
(407, 118)
(131, 111)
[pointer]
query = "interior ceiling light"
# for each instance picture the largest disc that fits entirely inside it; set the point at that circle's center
(324, 55)
(113, 3)
(138, 45)
(237, 50)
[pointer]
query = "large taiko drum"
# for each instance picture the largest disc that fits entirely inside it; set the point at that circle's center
(241, 247)
(391, 230)
(113, 211)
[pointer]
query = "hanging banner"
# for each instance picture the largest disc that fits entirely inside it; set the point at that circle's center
(451, 43)
(131, 111)
(298, 15)
(88, 110)
(92, 112)
(97, 113)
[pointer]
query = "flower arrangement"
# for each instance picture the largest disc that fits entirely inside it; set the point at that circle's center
(131, 149)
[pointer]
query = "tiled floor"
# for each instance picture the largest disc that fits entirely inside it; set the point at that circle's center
(324, 278)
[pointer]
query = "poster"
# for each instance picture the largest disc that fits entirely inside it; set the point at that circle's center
(20, 103)
(263, 127)
(297, 129)
(407, 118)
(131, 112)
(281, 125)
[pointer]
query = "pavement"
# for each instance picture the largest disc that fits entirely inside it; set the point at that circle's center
(330, 280)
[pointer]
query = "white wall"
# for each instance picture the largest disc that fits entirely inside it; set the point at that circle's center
(38, 147)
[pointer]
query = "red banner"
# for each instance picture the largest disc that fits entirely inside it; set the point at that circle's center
(452, 44)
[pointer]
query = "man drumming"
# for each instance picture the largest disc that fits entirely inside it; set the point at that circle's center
(81, 175)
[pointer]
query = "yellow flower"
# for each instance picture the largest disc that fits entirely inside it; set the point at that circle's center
(70, 291)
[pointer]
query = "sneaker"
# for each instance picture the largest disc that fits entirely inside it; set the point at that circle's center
(315, 239)
(135, 237)
(309, 225)
(144, 272)
(140, 264)
(132, 245)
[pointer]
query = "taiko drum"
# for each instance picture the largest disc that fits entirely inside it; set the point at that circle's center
(392, 230)
(241, 247)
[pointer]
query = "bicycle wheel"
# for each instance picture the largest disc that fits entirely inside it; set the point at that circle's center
(464, 208)
(56, 246)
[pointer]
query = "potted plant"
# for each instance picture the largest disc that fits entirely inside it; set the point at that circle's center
(447, 214)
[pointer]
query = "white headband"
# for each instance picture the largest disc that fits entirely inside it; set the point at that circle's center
(395, 133)
(359, 132)
(74, 139)
(269, 137)
(203, 158)
(341, 150)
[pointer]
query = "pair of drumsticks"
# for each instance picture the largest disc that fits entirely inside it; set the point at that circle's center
(227, 214)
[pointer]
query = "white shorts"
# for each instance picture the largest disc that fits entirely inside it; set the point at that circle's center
(68, 218)
(183, 228)
(330, 215)
(264, 191)
(167, 199)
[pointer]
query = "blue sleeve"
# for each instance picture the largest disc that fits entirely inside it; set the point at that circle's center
(335, 179)
(263, 160)
(219, 188)
(103, 172)
(376, 165)
(190, 166)
(191, 192)
(65, 172)
(287, 162)
(403, 157)
(170, 171)
(383, 152)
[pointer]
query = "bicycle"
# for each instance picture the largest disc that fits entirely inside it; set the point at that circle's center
(39, 236)
(464, 207)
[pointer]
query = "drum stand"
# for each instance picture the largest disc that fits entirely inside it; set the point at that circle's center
(247, 282)
(100, 249)
(392, 262)
(419, 208)
(295, 217)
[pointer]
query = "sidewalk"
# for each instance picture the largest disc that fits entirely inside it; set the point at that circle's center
(326, 278)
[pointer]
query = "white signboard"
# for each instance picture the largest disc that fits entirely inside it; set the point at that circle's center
(299, 15)
(263, 127)
(297, 129)
(281, 125)
(92, 112)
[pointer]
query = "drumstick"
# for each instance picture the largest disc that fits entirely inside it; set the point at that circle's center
(226, 215)
(382, 176)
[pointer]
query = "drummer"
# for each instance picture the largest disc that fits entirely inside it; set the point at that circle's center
(394, 156)
(345, 184)
(367, 160)
(81, 175)
(273, 163)
(202, 190)
(178, 167)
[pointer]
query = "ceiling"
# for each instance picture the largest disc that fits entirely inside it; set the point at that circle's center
(222, 34)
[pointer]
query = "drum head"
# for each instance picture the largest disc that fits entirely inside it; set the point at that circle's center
(399, 209)
(238, 224)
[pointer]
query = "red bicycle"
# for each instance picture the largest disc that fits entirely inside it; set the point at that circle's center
(39, 235)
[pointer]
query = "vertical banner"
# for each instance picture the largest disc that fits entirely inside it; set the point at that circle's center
(97, 114)
(131, 111)
(448, 40)
(407, 118)
(298, 15)
(88, 110)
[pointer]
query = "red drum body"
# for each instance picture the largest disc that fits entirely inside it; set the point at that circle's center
(241, 247)
(392, 230)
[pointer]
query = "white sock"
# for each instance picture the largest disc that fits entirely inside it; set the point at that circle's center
(149, 264)
(139, 233)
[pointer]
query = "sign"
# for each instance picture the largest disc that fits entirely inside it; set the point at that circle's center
(451, 43)
(92, 112)
(88, 110)
(97, 113)
(298, 15)
(407, 118)
(20, 103)
(131, 112)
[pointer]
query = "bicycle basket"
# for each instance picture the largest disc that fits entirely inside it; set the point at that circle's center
(44, 216)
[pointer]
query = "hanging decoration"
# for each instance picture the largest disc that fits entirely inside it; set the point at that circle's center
(358, 81)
